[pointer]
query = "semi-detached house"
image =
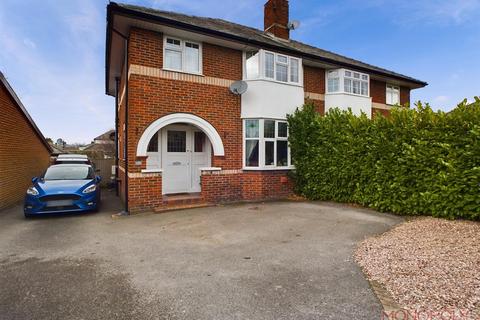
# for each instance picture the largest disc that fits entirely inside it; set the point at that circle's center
(182, 131)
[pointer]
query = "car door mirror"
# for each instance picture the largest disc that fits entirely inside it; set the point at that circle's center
(34, 180)
(98, 178)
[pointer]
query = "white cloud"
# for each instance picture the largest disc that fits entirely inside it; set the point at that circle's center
(443, 12)
(29, 43)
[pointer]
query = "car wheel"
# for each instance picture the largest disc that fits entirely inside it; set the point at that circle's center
(27, 216)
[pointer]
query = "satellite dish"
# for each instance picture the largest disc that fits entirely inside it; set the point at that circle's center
(292, 25)
(239, 87)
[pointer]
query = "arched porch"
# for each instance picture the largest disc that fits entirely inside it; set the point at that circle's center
(180, 145)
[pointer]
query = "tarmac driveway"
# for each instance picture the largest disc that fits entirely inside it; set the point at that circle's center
(279, 260)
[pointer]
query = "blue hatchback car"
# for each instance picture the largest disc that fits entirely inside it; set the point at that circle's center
(63, 188)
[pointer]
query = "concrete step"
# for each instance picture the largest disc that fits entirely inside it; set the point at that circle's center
(182, 201)
(182, 207)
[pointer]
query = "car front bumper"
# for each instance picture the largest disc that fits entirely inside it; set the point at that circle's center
(34, 205)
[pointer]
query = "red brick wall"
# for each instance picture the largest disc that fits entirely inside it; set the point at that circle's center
(319, 105)
(248, 185)
(384, 112)
(404, 96)
(22, 153)
(221, 62)
(145, 192)
(145, 48)
(314, 79)
(378, 91)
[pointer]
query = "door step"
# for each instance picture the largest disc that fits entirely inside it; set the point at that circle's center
(182, 201)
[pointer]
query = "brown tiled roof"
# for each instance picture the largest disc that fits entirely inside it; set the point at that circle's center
(106, 135)
(252, 35)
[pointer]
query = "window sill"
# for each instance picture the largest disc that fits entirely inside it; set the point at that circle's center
(347, 93)
(292, 84)
(268, 168)
(152, 170)
(211, 169)
(184, 72)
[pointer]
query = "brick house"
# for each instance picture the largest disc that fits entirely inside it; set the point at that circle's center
(182, 131)
(24, 152)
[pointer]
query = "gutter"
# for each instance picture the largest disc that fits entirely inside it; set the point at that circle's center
(115, 8)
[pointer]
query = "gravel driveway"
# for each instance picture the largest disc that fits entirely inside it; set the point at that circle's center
(280, 260)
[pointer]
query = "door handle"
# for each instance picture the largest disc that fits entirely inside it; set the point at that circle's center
(176, 163)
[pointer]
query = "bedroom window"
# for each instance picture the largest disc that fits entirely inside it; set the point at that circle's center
(333, 78)
(252, 64)
(282, 68)
(266, 144)
(348, 81)
(261, 64)
(393, 95)
(182, 55)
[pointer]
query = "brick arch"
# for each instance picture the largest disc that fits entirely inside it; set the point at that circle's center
(173, 118)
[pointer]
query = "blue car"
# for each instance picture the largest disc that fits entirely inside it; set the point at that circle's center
(63, 188)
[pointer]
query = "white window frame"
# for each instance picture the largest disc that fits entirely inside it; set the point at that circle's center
(182, 51)
(262, 64)
(347, 74)
(390, 89)
(261, 148)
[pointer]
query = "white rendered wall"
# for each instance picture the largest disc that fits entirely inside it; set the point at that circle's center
(344, 101)
(269, 99)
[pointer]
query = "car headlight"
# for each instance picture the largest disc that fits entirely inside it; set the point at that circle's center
(32, 191)
(90, 189)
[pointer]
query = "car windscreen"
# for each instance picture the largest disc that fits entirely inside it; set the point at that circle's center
(69, 173)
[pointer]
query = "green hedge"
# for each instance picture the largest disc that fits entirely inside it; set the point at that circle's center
(416, 162)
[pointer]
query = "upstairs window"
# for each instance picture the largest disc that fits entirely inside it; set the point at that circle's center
(347, 81)
(252, 64)
(272, 66)
(393, 95)
(281, 68)
(333, 81)
(181, 55)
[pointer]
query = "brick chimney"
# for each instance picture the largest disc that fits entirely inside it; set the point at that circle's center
(276, 18)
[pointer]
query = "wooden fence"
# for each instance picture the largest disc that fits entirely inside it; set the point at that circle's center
(105, 166)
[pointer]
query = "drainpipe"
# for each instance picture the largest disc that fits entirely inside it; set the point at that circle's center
(126, 212)
(117, 84)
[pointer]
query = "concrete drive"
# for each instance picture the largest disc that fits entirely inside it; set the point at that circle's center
(280, 260)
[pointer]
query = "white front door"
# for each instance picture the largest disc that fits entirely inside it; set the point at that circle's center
(184, 151)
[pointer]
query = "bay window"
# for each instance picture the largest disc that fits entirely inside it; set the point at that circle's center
(266, 144)
(347, 81)
(182, 55)
(393, 95)
(252, 63)
(272, 66)
(333, 81)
